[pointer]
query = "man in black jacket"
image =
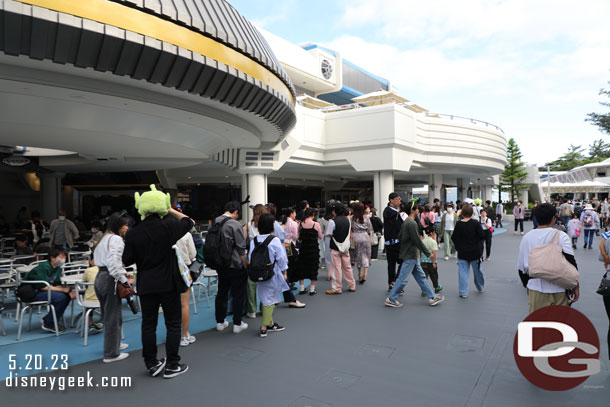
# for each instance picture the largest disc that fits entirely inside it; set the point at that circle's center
(392, 221)
(159, 283)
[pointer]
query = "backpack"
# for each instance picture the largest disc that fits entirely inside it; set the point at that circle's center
(588, 221)
(214, 250)
(260, 267)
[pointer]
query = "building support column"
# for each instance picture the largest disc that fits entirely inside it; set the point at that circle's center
(50, 192)
(486, 193)
(435, 181)
(462, 188)
(524, 196)
(383, 186)
(255, 186)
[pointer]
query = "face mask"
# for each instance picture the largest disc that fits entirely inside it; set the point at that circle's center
(93, 230)
(59, 263)
(62, 218)
(450, 210)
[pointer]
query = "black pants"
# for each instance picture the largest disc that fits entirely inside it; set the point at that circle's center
(431, 272)
(498, 221)
(375, 249)
(487, 243)
(607, 306)
(289, 296)
(236, 281)
(172, 313)
(392, 252)
(519, 222)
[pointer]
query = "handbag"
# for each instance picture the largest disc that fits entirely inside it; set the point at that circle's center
(26, 292)
(548, 263)
(195, 270)
(125, 290)
(604, 286)
(374, 239)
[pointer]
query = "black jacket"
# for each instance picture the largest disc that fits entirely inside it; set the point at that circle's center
(149, 246)
(392, 221)
(377, 224)
(467, 237)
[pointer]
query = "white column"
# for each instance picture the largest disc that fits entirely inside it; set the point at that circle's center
(50, 192)
(435, 181)
(254, 185)
(486, 193)
(524, 196)
(383, 186)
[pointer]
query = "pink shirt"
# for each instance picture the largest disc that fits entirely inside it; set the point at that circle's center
(292, 230)
(309, 223)
(429, 215)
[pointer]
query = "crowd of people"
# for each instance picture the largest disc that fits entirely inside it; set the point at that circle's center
(262, 263)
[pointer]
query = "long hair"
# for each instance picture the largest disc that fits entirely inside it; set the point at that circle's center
(358, 212)
(258, 210)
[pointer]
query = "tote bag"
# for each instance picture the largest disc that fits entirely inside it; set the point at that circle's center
(548, 263)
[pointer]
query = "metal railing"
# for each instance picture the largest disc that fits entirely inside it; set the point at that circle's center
(412, 107)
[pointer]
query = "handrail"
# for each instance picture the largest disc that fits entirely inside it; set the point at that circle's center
(338, 108)
(468, 119)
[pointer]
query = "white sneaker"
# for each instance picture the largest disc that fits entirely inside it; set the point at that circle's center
(251, 315)
(221, 327)
(184, 341)
(191, 338)
(120, 357)
(522, 233)
(446, 258)
(238, 328)
(516, 232)
(436, 300)
(123, 346)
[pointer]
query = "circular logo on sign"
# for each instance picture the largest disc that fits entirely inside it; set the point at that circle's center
(327, 69)
(557, 348)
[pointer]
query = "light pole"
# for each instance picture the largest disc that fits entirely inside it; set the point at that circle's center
(548, 183)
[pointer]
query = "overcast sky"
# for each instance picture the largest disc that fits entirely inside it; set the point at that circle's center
(534, 68)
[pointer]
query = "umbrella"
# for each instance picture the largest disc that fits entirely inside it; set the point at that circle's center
(312, 103)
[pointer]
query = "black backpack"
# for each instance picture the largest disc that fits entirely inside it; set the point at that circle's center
(260, 267)
(214, 250)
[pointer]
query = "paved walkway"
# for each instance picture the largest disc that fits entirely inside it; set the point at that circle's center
(350, 350)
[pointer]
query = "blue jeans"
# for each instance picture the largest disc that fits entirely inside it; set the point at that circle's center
(464, 275)
(59, 301)
(589, 233)
(407, 267)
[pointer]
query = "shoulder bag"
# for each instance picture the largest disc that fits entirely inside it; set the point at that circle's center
(548, 263)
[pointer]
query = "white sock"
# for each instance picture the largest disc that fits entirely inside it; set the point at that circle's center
(312, 288)
(302, 287)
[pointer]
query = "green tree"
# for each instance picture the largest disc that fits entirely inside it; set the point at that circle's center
(599, 149)
(572, 159)
(601, 120)
(513, 178)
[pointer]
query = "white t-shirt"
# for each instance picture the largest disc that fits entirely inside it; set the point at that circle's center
(540, 237)
(449, 224)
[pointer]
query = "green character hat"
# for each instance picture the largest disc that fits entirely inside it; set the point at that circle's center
(478, 201)
(152, 201)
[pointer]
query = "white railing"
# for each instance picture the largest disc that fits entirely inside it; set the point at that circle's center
(463, 119)
(412, 107)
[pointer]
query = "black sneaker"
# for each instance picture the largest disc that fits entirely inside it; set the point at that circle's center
(175, 371)
(262, 333)
(157, 368)
(303, 292)
(275, 328)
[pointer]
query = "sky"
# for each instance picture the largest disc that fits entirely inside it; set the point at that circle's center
(533, 68)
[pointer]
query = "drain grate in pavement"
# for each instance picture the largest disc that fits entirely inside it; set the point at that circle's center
(463, 343)
(308, 402)
(241, 354)
(340, 379)
(377, 351)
